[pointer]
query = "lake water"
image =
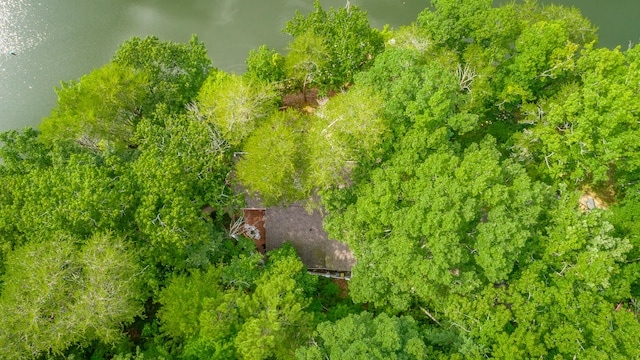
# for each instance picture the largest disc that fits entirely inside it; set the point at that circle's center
(64, 39)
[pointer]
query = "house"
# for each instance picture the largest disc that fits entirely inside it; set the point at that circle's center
(272, 227)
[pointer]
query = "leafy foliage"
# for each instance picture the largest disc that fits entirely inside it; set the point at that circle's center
(275, 163)
(268, 321)
(344, 132)
(364, 337)
(235, 104)
(266, 65)
(104, 105)
(182, 168)
(345, 33)
(176, 71)
(76, 195)
(450, 225)
(21, 152)
(305, 61)
(56, 295)
(276, 322)
(586, 129)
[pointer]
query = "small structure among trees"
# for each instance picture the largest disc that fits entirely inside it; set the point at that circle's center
(270, 228)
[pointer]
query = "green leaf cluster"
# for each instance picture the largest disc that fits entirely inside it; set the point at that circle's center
(56, 294)
(334, 44)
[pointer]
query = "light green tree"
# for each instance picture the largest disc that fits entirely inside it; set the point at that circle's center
(104, 105)
(265, 64)
(275, 164)
(305, 60)
(56, 296)
(235, 105)
(346, 132)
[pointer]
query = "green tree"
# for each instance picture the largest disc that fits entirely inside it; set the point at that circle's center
(265, 64)
(418, 95)
(263, 318)
(275, 163)
(104, 105)
(541, 61)
(364, 336)
(506, 54)
(625, 216)
(275, 319)
(235, 105)
(56, 296)
(451, 23)
(305, 60)
(175, 71)
(349, 41)
(587, 129)
(581, 30)
(77, 195)
(346, 132)
(199, 314)
(182, 301)
(425, 228)
(564, 301)
(21, 152)
(182, 167)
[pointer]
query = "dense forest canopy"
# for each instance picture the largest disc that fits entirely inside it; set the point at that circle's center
(482, 163)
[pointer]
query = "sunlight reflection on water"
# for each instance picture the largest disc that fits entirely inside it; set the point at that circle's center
(16, 34)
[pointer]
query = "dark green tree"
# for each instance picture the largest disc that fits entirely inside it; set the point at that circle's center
(349, 40)
(364, 336)
(182, 168)
(175, 71)
(266, 65)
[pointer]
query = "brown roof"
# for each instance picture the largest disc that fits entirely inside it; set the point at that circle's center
(304, 231)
